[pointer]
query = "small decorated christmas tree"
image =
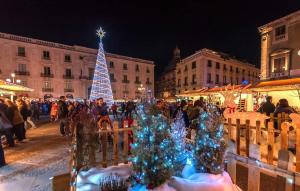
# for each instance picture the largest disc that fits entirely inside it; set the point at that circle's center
(210, 145)
(178, 132)
(153, 150)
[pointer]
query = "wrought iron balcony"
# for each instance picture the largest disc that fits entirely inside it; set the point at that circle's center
(69, 90)
(68, 76)
(47, 75)
(280, 74)
(47, 89)
(23, 73)
(125, 81)
(21, 54)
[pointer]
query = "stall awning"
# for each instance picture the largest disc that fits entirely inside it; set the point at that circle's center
(277, 85)
(229, 88)
(190, 93)
(7, 86)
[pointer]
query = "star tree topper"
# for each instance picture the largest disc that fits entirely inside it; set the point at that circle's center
(100, 33)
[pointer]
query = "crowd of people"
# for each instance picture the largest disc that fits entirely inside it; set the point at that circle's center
(16, 117)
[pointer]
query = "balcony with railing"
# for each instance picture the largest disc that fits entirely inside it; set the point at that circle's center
(68, 76)
(47, 89)
(47, 75)
(21, 54)
(68, 90)
(22, 73)
(137, 82)
(125, 81)
(148, 83)
(279, 74)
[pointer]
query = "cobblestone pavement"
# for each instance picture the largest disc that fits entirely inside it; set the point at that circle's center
(31, 164)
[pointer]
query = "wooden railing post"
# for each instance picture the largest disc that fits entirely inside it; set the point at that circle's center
(103, 136)
(125, 144)
(229, 127)
(116, 143)
(297, 147)
(237, 136)
(270, 142)
(258, 132)
(279, 120)
(284, 135)
(247, 137)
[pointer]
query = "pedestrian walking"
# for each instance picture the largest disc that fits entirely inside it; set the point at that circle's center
(63, 115)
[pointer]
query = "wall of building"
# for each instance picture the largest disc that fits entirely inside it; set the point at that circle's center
(185, 69)
(286, 45)
(82, 60)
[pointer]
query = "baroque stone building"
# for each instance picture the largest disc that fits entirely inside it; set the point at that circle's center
(208, 68)
(165, 86)
(54, 69)
(280, 47)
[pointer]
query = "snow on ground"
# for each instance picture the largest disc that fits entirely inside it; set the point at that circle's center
(31, 164)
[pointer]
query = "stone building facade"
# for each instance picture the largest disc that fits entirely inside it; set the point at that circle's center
(208, 68)
(280, 47)
(54, 69)
(165, 85)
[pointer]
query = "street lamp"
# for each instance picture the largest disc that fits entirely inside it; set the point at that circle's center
(13, 75)
(142, 90)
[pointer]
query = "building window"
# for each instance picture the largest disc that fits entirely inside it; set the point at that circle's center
(231, 80)
(185, 68)
(279, 64)
(67, 58)
(209, 63)
(111, 64)
(237, 80)
(193, 65)
(224, 67)
(91, 73)
(217, 65)
(179, 71)
(237, 70)
(231, 69)
(68, 85)
(22, 68)
(249, 73)
(21, 51)
(137, 68)
(68, 72)
(185, 81)
(217, 78)
(80, 57)
(209, 78)
(111, 76)
(137, 80)
(243, 71)
(47, 84)
(125, 79)
(148, 70)
(280, 32)
(179, 82)
(47, 70)
(125, 67)
(194, 79)
(46, 55)
(224, 80)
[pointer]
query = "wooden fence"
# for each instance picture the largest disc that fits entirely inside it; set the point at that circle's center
(268, 127)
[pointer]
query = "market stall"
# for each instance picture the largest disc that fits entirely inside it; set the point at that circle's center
(11, 89)
(279, 89)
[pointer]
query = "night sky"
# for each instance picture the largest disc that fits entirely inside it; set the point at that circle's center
(148, 29)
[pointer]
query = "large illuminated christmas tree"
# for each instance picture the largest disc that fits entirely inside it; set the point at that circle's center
(101, 87)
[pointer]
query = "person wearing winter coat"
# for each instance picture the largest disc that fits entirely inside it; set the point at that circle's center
(16, 119)
(6, 132)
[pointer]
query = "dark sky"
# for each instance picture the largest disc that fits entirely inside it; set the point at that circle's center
(148, 29)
